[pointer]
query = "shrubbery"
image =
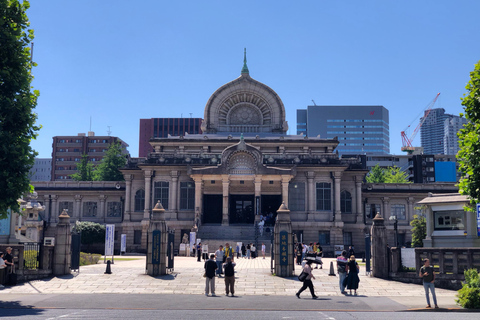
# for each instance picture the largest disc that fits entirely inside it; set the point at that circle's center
(89, 258)
(92, 232)
(469, 295)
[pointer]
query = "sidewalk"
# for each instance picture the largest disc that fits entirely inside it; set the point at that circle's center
(253, 277)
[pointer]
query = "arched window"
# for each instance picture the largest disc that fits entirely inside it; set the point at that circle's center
(345, 202)
(140, 200)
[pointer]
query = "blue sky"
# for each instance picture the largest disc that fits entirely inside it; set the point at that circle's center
(120, 61)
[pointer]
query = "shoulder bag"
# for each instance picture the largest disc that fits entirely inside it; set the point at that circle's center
(303, 276)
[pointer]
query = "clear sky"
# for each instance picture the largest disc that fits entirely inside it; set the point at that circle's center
(118, 61)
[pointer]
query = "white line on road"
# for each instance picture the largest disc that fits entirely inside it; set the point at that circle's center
(326, 316)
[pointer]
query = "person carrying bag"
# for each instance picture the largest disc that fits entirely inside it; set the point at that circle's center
(307, 283)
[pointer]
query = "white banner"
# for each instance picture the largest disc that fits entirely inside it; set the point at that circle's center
(123, 244)
(408, 257)
(109, 239)
(192, 241)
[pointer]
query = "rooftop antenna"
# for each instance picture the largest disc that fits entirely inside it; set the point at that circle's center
(190, 114)
(90, 123)
(181, 115)
(314, 103)
(109, 131)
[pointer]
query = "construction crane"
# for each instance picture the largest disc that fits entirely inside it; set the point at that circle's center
(407, 141)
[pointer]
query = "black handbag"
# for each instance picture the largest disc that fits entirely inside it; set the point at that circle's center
(303, 276)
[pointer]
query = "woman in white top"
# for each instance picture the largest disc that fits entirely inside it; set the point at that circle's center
(308, 281)
(2, 270)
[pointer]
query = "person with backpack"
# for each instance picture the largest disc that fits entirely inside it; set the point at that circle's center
(229, 269)
(342, 270)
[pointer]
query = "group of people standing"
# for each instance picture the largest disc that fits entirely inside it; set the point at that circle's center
(250, 251)
(313, 249)
(6, 266)
(223, 264)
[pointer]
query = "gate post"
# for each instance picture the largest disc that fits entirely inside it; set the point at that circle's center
(379, 248)
(157, 242)
(282, 243)
(62, 255)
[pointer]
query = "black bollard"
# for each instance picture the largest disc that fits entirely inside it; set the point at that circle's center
(332, 273)
(109, 269)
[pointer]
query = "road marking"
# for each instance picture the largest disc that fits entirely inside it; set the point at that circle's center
(326, 316)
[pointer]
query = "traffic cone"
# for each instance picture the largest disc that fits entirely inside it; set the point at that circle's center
(332, 272)
(109, 269)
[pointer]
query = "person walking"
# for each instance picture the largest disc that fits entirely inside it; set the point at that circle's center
(238, 251)
(263, 250)
(308, 281)
(228, 252)
(229, 276)
(299, 253)
(351, 251)
(427, 273)
(199, 251)
(352, 278)
(342, 270)
(210, 267)
(219, 260)
(3, 273)
(249, 250)
(253, 251)
(244, 251)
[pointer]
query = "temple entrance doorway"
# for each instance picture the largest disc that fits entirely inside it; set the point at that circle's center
(212, 208)
(270, 205)
(241, 209)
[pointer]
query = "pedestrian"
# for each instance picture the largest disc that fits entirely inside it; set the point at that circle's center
(8, 257)
(304, 250)
(342, 270)
(210, 267)
(253, 251)
(238, 251)
(219, 260)
(249, 252)
(352, 277)
(227, 252)
(3, 273)
(263, 250)
(351, 251)
(244, 251)
(199, 251)
(299, 253)
(229, 276)
(308, 281)
(428, 274)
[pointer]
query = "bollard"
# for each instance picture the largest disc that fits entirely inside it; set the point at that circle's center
(332, 272)
(108, 270)
(363, 258)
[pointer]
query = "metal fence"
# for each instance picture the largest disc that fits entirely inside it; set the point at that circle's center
(31, 255)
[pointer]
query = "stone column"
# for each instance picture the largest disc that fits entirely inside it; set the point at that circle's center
(285, 182)
(411, 210)
(226, 189)
(128, 198)
(386, 207)
(310, 195)
(148, 193)
(173, 194)
(54, 209)
(48, 208)
(62, 252)
(284, 265)
(77, 214)
(428, 242)
(258, 193)
(102, 214)
(379, 248)
(12, 238)
(338, 213)
(157, 242)
(198, 195)
(358, 198)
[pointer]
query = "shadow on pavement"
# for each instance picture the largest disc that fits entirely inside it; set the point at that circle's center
(15, 308)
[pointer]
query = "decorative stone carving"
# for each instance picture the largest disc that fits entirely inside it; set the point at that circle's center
(242, 163)
(245, 114)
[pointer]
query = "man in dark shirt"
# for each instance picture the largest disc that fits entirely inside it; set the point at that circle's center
(210, 267)
(428, 275)
(9, 259)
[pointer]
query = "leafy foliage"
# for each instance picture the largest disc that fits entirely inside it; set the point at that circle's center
(89, 258)
(84, 170)
(469, 155)
(92, 232)
(17, 101)
(419, 230)
(469, 295)
(114, 159)
(389, 175)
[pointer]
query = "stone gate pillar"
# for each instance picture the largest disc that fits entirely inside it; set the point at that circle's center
(283, 243)
(157, 242)
(63, 239)
(379, 248)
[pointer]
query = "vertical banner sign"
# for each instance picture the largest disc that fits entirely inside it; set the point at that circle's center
(123, 243)
(156, 246)
(109, 239)
(478, 219)
(192, 241)
(283, 248)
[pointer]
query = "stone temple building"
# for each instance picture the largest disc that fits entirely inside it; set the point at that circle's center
(242, 166)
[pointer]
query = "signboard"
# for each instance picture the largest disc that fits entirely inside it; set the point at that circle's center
(156, 246)
(123, 243)
(478, 219)
(205, 248)
(338, 248)
(408, 257)
(5, 224)
(109, 239)
(283, 248)
(192, 241)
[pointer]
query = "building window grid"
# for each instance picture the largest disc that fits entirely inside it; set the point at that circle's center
(90, 209)
(324, 194)
(114, 209)
(345, 202)
(67, 205)
(161, 193)
(187, 196)
(139, 200)
(398, 210)
(296, 196)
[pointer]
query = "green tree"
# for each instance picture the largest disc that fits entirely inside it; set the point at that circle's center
(84, 170)
(469, 155)
(376, 175)
(17, 101)
(395, 175)
(114, 159)
(419, 230)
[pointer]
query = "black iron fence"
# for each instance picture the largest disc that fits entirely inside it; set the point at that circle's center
(32, 255)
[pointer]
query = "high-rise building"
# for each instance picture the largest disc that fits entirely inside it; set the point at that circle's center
(450, 139)
(432, 131)
(68, 150)
(162, 127)
(359, 129)
(41, 170)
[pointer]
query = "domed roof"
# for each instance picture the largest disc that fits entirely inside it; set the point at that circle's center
(244, 105)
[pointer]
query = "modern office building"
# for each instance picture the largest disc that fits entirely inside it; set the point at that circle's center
(432, 131)
(68, 150)
(450, 139)
(162, 127)
(359, 129)
(41, 170)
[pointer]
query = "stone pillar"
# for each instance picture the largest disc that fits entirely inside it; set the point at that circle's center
(379, 248)
(62, 252)
(226, 189)
(338, 212)
(173, 194)
(102, 214)
(411, 210)
(285, 182)
(198, 196)
(428, 242)
(77, 214)
(358, 198)
(258, 193)
(54, 209)
(157, 242)
(128, 198)
(148, 194)
(283, 240)
(310, 195)
(48, 208)
(12, 238)
(386, 207)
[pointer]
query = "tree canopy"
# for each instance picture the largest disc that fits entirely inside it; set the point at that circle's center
(84, 170)
(387, 175)
(469, 155)
(17, 101)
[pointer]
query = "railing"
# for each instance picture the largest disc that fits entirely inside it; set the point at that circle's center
(449, 260)
(31, 255)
